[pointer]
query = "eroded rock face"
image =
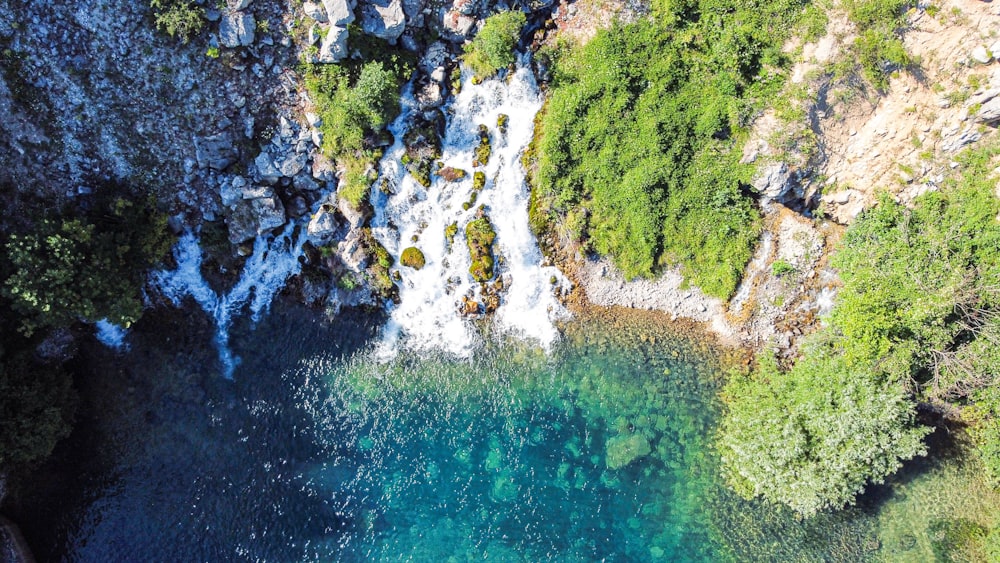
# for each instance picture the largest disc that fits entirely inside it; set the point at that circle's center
(237, 29)
(384, 19)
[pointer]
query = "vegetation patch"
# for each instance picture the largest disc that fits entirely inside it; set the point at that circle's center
(493, 47)
(479, 236)
(355, 102)
(483, 149)
(182, 19)
(377, 270)
(642, 135)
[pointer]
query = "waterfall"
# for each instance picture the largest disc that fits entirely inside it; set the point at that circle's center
(275, 258)
(427, 317)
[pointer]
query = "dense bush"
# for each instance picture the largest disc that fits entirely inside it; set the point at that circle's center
(878, 49)
(355, 104)
(85, 268)
(178, 18)
(641, 131)
(36, 408)
(814, 436)
(493, 47)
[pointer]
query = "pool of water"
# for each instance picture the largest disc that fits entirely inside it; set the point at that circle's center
(600, 450)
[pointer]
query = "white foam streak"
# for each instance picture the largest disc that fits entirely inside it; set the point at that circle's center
(274, 260)
(427, 317)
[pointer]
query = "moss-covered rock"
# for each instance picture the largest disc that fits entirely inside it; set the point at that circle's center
(450, 231)
(479, 180)
(377, 270)
(479, 235)
(502, 120)
(484, 149)
(412, 257)
(451, 174)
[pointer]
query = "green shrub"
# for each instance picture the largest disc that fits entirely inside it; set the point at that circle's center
(178, 18)
(355, 104)
(780, 268)
(493, 47)
(37, 403)
(813, 437)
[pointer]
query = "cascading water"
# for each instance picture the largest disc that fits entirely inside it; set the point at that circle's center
(427, 317)
(274, 260)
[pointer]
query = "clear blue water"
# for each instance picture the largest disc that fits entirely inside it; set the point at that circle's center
(599, 451)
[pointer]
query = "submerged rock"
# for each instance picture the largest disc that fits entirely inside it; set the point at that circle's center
(623, 450)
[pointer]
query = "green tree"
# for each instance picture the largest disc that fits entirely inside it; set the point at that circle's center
(87, 268)
(812, 437)
(493, 47)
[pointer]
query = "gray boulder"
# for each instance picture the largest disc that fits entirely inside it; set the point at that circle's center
(323, 169)
(430, 96)
(323, 225)
(773, 181)
(253, 217)
(456, 26)
(355, 217)
(315, 11)
(294, 164)
(216, 151)
(414, 12)
(352, 252)
(384, 19)
(304, 183)
(267, 172)
(237, 29)
(434, 57)
(231, 190)
(989, 112)
(334, 47)
(338, 12)
(237, 5)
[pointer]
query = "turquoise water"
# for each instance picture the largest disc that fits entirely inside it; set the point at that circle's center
(598, 451)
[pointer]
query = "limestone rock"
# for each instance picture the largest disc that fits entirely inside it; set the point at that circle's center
(352, 251)
(384, 19)
(334, 47)
(434, 57)
(267, 172)
(774, 181)
(430, 96)
(293, 165)
(254, 217)
(989, 112)
(323, 169)
(305, 183)
(315, 11)
(981, 55)
(414, 12)
(338, 12)
(966, 137)
(323, 225)
(216, 151)
(355, 217)
(237, 5)
(237, 29)
(457, 26)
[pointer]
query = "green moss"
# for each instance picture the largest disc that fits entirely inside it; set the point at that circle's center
(450, 231)
(412, 257)
(502, 120)
(484, 149)
(479, 236)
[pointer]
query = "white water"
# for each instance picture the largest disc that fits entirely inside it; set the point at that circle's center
(110, 334)
(427, 317)
(275, 258)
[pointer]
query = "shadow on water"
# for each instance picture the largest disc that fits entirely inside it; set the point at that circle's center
(169, 462)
